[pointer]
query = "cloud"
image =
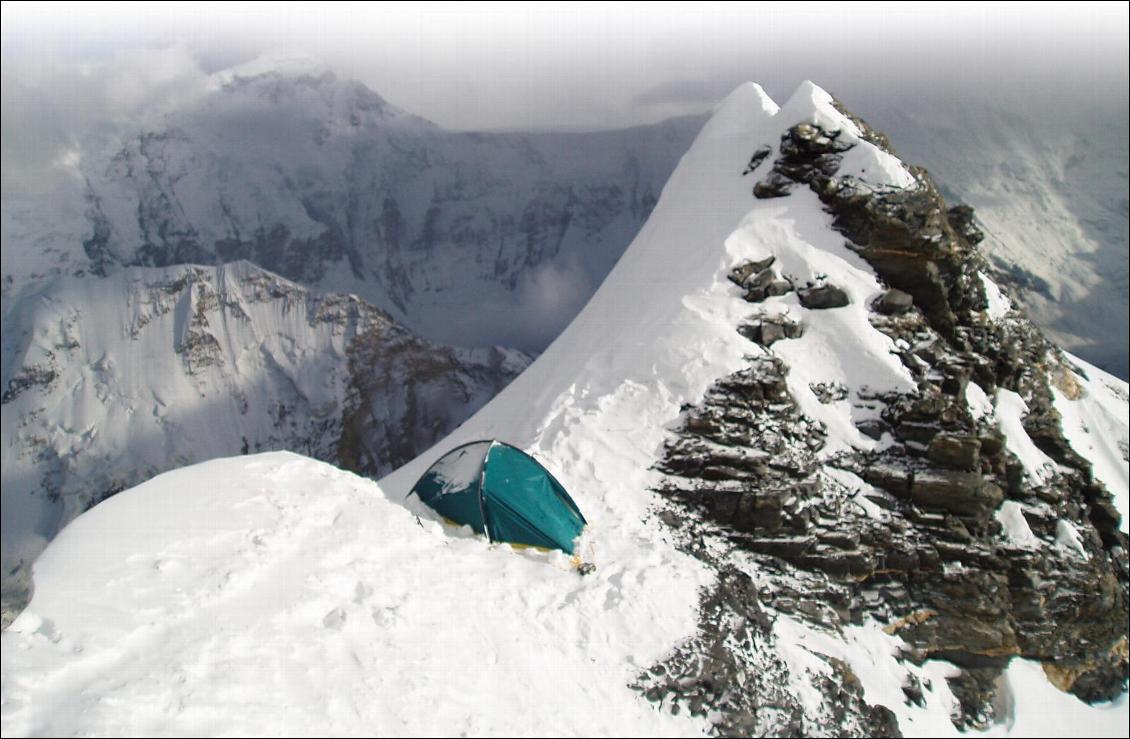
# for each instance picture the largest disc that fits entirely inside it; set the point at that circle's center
(548, 298)
(683, 93)
(55, 108)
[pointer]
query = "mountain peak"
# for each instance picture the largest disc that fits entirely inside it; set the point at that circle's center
(740, 111)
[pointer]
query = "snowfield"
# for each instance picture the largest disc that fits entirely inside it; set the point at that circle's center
(277, 595)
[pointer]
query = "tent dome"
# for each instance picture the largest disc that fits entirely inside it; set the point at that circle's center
(501, 491)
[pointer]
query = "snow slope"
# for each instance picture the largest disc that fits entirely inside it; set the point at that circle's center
(276, 595)
(294, 586)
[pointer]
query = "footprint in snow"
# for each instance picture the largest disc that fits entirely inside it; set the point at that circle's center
(335, 619)
(385, 617)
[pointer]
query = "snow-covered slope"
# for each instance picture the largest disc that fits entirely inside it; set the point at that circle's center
(787, 614)
(323, 182)
(278, 595)
(111, 381)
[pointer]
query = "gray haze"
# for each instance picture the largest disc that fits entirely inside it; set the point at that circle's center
(555, 66)
(70, 70)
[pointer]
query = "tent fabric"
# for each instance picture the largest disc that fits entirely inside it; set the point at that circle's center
(501, 491)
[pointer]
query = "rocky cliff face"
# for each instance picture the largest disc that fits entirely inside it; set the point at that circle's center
(116, 380)
(976, 531)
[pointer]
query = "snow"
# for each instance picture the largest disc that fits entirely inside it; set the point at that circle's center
(459, 470)
(1068, 538)
(1016, 528)
(999, 305)
(124, 405)
(839, 346)
(1096, 421)
(1031, 705)
(867, 163)
(1038, 709)
(277, 595)
(978, 401)
(1010, 410)
(731, 117)
(274, 594)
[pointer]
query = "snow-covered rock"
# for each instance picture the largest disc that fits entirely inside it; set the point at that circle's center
(1051, 194)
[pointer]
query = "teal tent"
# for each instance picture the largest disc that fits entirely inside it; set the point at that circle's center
(502, 492)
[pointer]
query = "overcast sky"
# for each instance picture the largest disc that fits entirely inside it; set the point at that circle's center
(506, 66)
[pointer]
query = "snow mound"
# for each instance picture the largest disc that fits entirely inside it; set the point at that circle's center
(276, 595)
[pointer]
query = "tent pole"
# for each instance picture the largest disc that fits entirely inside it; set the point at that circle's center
(482, 481)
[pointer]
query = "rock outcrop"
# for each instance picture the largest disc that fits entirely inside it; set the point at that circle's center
(910, 533)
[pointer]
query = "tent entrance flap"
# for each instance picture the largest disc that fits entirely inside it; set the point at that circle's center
(503, 492)
(451, 486)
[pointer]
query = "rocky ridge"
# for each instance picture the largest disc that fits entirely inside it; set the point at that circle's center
(919, 534)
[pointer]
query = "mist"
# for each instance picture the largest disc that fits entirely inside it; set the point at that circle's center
(496, 66)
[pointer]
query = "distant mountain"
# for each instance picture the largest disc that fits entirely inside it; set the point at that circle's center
(111, 381)
(478, 241)
(472, 239)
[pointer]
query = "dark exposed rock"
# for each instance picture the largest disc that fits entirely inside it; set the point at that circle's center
(758, 157)
(730, 671)
(757, 285)
(389, 364)
(773, 186)
(738, 275)
(955, 450)
(961, 218)
(963, 493)
(873, 428)
(28, 377)
(976, 690)
(893, 302)
(828, 392)
(778, 287)
(769, 329)
(760, 281)
(820, 297)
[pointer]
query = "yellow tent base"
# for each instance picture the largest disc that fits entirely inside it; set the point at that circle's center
(578, 564)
